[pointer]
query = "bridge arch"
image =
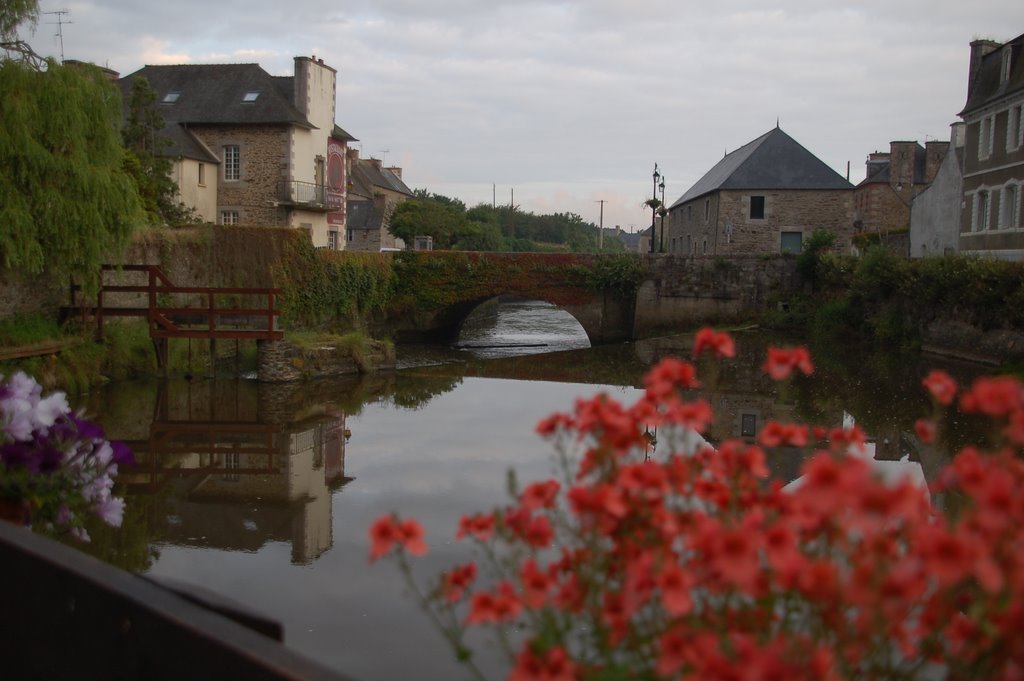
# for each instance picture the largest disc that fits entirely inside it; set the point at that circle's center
(499, 318)
(442, 288)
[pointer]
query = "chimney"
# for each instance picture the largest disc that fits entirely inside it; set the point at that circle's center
(902, 157)
(979, 48)
(377, 163)
(352, 153)
(935, 151)
(397, 171)
(956, 134)
(876, 160)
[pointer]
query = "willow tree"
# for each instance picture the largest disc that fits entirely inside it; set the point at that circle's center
(66, 203)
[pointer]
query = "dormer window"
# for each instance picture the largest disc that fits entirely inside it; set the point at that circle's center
(251, 96)
(171, 97)
(1004, 67)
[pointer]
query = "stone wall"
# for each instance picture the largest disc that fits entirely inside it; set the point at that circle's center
(720, 223)
(281, 361)
(680, 294)
(263, 166)
(31, 294)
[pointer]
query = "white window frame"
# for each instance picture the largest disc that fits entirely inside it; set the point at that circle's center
(201, 175)
(229, 217)
(1009, 206)
(980, 214)
(986, 136)
(1015, 128)
(1004, 66)
(232, 163)
(332, 239)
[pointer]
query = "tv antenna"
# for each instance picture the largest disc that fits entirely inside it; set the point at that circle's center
(60, 28)
(384, 160)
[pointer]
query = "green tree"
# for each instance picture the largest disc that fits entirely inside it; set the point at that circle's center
(66, 201)
(13, 13)
(431, 215)
(146, 161)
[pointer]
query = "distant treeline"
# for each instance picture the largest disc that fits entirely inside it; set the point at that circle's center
(493, 228)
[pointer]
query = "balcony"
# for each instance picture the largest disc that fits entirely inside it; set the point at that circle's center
(308, 196)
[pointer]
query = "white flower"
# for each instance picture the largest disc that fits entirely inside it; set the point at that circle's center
(48, 410)
(111, 511)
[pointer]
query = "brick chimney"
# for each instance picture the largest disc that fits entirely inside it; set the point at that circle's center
(901, 162)
(979, 48)
(396, 170)
(935, 152)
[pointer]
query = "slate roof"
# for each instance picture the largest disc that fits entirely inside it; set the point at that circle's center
(772, 161)
(986, 88)
(362, 215)
(366, 177)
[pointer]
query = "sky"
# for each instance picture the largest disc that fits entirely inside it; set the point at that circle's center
(563, 104)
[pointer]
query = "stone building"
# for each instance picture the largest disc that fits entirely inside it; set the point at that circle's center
(250, 148)
(768, 196)
(881, 203)
(373, 193)
(993, 183)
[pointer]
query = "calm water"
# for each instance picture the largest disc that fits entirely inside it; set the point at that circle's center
(264, 493)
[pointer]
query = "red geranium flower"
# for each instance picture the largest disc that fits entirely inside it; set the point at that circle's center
(721, 344)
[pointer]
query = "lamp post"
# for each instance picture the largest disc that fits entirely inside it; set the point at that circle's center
(662, 211)
(654, 203)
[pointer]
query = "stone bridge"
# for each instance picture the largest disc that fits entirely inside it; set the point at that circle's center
(614, 297)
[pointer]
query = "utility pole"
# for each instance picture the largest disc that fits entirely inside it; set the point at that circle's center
(600, 229)
(60, 28)
(494, 195)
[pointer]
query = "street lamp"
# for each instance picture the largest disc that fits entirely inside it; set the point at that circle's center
(654, 203)
(662, 211)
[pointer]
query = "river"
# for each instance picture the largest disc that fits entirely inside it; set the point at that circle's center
(264, 493)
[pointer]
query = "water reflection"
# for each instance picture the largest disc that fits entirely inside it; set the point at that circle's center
(264, 492)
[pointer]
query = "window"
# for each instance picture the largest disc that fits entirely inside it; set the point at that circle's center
(705, 252)
(986, 131)
(1009, 210)
(981, 211)
(1004, 66)
(792, 242)
(171, 97)
(1015, 128)
(332, 240)
(202, 174)
(229, 217)
(707, 209)
(748, 425)
(251, 96)
(689, 245)
(232, 162)
(232, 462)
(757, 208)
(349, 234)
(689, 212)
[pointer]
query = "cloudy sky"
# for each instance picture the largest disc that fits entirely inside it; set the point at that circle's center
(569, 102)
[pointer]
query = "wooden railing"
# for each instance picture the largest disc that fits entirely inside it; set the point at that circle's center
(168, 320)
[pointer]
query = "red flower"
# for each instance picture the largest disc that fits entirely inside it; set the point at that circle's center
(925, 430)
(387, 532)
(536, 584)
(553, 665)
(782, 361)
(721, 344)
(1000, 396)
(775, 434)
(669, 375)
(455, 582)
(540, 495)
(941, 386)
(494, 607)
(480, 526)
(676, 590)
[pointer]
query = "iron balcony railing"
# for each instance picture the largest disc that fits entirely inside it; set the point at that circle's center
(309, 195)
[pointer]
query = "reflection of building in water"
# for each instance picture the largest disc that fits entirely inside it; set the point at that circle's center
(236, 482)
